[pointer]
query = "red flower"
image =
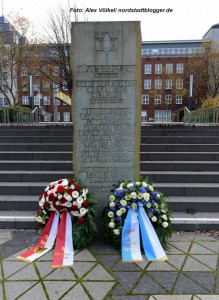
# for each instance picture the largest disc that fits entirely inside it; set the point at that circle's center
(51, 187)
(62, 200)
(73, 208)
(40, 197)
(52, 197)
(60, 181)
(70, 191)
(77, 187)
(45, 194)
(70, 182)
(60, 189)
(38, 212)
(81, 220)
(47, 205)
(86, 203)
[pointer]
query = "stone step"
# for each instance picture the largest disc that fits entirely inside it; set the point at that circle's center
(200, 204)
(175, 156)
(180, 221)
(35, 139)
(179, 147)
(39, 165)
(33, 155)
(146, 131)
(34, 176)
(182, 176)
(197, 166)
(180, 139)
(36, 132)
(19, 202)
(22, 188)
(47, 147)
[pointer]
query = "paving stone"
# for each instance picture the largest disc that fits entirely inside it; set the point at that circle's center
(217, 283)
(166, 280)
(142, 264)
(14, 256)
(120, 266)
(98, 290)
(108, 260)
(56, 289)
(176, 260)
(15, 288)
(202, 237)
(47, 257)
(194, 265)
(5, 234)
(0, 273)
(206, 297)
(2, 241)
(36, 293)
(44, 268)
(81, 268)
(99, 273)
(146, 285)
(172, 250)
(199, 249)
(140, 297)
(84, 255)
(184, 285)
(61, 274)
(108, 249)
(213, 246)
(209, 260)
(172, 297)
(28, 273)
(77, 293)
(11, 267)
(183, 237)
(182, 246)
(160, 266)
(204, 279)
(127, 279)
(118, 290)
(1, 291)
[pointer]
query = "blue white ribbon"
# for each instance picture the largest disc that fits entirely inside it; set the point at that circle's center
(151, 244)
(131, 251)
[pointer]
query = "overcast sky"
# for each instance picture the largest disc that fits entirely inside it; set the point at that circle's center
(190, 19)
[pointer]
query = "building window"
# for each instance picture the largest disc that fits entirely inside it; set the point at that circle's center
(179, 84)
(179, 68)
(23, 71)
(36, 100)
(25, 100)
(25, 88)
(64, 86)
(178, 99)
(58, 116)
(157, 99)
(145, 99)
(168, 99)
(158, 84)
(158, 69)
(4, 102)
(144, 116)
(5, 88)
(147, 69)
(169, 68)
(66, 116)
(56, 101)
(147, 84)
(36, 86)
(47, 118)
(162, 116)
(55, 86)
(168, 84)
(55, 70)
(46, 100)
(46, 85)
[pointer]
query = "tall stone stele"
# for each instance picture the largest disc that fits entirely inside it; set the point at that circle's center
(106, 64)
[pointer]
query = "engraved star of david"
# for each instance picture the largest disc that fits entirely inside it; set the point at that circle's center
(106, 43)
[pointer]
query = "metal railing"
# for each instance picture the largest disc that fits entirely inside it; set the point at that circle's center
(13, 115)
(204, 115)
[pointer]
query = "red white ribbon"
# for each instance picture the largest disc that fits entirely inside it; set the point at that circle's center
(64, 252)
(45, 242)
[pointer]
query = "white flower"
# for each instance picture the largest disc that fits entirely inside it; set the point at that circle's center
(123, 210)
(57, 202)
(68, 198)
(134, 206)
(154, 219)
(80, 200)
(116, 231)
(133, 195)
(163, 211)
(59, 196)
(121, 185)
(75, 203)
(155, 205)
(123, 202)
(47, 188)
(112, 198)
(165, 224)
(146, 196)
(138, 182)
(75, 194)
(148, 205)
(158, 196)
(151, 188)
(130, 185)
(39, 219)
(83, 211)
(68, 204)
(162, 205)
(110, 214)
(64, 182)
(84, 193)
(140, 196)
(111, 224)
(164, 217)
(111, 204)
(75, 213)
(127, 197)
(119, 213)
(144, 184)
(41, 202)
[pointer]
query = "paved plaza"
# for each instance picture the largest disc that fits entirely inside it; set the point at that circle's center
(191, 272)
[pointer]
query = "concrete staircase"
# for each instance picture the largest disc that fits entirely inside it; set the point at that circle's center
(183, 162)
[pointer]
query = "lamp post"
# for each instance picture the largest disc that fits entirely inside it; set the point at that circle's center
(31, 90)
(191, 91)
(55, 107)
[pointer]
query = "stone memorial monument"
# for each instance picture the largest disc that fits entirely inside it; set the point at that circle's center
(106, 64)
